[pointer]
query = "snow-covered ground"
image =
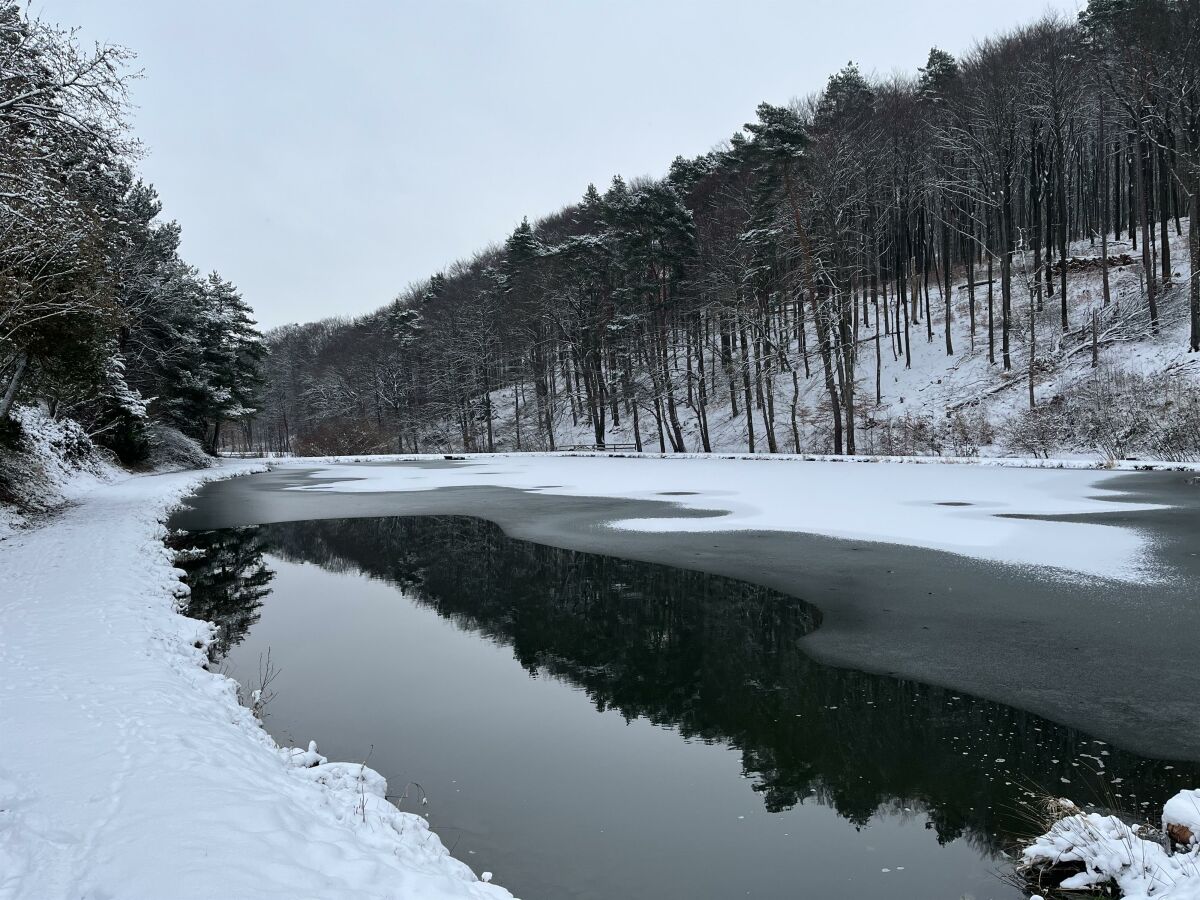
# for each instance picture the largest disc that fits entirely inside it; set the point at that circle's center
(959, 508)
(127, 770)
(1110, 851)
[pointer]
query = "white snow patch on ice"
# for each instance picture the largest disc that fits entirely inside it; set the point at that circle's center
(963, 509)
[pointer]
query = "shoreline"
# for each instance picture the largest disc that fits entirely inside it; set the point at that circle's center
(917, 613)
(128, 768)
(1002, 462)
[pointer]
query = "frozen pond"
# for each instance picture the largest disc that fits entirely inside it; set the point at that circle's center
(595, 727)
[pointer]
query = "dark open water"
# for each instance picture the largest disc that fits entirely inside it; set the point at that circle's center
(590, 727)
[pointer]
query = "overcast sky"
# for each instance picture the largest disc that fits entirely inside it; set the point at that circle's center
(324, 155)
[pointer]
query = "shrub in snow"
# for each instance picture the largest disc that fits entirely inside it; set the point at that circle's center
(1177, 435)
(170, 448)
(1111, 413)
(45, 456)
(1116, 413)
(912, 434)
(1181, 818)
(1083, 851)
(59, 442)
(961, 433)
(1040, 432)
(345, 438)
(967, 432)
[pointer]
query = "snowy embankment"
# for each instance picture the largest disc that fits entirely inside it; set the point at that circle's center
(54, 463)
(963, 509)
(128, 770)
(1089, 851)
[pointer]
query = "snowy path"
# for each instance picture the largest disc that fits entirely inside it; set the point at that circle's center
(127, 770)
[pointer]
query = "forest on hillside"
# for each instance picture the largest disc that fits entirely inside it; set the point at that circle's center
(101, 321)
(754, 297)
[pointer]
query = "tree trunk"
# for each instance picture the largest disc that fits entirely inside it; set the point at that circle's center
(727, 365)
(1164, 211)
(1032, 347)
(846, 349)
(991, 301)
(1144, 214)
(1006, 242)
(946, 296)
(487, 408)
(766, 402)
(795, 408)
(1102, 144)
(1036, 187)
(14, 383)
(1194, 243)
(1062, 230)
(701, 388)
(878, 352)
(749, 399)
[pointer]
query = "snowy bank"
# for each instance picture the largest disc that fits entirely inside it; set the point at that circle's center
(1098, 851)
(970, 510)
(53, 461)
(128, 770)
(46, 462)
(1004, 462)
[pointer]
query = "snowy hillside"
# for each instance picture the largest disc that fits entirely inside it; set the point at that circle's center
(965, 404)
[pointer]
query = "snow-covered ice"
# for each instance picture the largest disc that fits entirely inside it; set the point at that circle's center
(128, 770)
(959, 508)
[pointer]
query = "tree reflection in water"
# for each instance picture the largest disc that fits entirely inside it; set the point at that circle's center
(228, 580)
(716, 659)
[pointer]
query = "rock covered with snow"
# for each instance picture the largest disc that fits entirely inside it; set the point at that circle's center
(1181, 818)
(303, 759)
(1099, 850)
